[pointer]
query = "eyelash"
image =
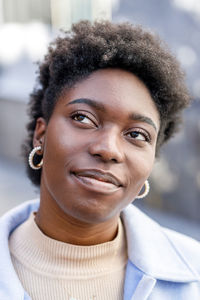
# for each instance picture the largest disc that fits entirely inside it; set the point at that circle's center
(145, 135)
(76, 114)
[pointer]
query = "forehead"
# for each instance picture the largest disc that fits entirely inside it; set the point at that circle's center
(118, 90)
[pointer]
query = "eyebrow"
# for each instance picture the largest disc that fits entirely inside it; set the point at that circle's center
(90, 102)
(101, 107)
(138, 117)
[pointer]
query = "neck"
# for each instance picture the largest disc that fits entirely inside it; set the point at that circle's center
(58, 225)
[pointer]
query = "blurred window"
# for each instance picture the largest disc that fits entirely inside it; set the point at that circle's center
(23, 11)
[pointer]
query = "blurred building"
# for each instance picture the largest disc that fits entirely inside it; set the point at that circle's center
(26, 28)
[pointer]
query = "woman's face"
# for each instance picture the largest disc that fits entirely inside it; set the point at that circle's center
(99, 145)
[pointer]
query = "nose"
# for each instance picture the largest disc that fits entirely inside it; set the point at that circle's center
(106, 145)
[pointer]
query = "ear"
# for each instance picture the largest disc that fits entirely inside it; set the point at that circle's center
(39, 133)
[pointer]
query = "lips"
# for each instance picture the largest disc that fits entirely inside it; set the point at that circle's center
(100, 176)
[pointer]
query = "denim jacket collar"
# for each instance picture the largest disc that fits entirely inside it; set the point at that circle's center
(10, 285)
(151, 251)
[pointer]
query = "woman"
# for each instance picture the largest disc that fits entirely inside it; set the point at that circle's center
(108, 97)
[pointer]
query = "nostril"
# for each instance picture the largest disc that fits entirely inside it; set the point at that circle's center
(98, 155)
(105, 158)
(114, 160)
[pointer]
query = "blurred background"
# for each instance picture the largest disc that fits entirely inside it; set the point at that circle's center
(26, 28)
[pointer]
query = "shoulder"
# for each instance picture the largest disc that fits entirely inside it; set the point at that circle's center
(187, 246)
(159, 251)
(17, 215)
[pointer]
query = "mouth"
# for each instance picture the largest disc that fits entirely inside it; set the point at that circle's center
(98, 180)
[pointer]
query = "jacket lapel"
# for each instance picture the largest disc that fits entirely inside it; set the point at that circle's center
(137, 286)
(152, 256)
(144, 288)
(151, 251)
(8, 277)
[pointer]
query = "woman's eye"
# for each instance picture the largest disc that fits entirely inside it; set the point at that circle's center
(82, 119)
(137, 135)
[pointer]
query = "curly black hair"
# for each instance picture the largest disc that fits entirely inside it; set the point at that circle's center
(88, 47)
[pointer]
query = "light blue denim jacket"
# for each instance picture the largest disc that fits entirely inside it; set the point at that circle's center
(162, 264)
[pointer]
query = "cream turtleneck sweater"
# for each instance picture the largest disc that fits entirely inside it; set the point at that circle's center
(53, 270)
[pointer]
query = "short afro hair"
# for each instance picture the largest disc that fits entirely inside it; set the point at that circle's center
(89, 47)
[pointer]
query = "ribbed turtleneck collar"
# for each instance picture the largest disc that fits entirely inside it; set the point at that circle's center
(37, 251)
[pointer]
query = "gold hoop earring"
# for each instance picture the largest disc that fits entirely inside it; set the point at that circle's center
(31, 156)
(146, 190)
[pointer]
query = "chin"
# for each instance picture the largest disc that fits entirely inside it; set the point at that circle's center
(92, 214)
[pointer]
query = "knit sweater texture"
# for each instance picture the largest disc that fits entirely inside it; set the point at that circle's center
(50, 269)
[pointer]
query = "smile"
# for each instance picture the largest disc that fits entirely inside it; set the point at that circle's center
(97, 181)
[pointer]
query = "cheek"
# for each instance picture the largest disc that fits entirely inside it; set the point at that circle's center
(62, 148)
(140, 167)
(62, 143)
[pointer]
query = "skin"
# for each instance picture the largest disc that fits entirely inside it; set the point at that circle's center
(119, 138)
